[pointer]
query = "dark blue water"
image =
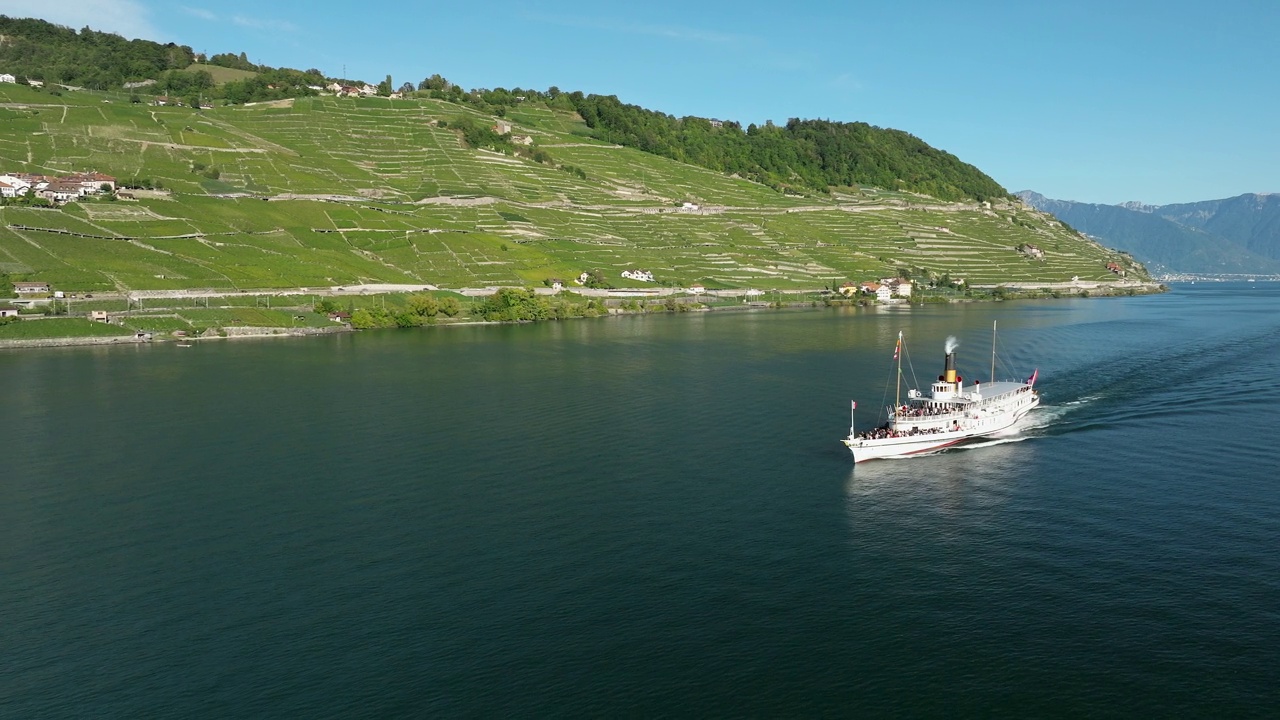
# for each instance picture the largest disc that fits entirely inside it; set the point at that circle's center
(648, 516)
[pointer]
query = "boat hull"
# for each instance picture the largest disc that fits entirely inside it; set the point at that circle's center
(876, 448)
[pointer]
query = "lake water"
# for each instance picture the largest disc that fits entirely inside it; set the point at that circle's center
(649, 516)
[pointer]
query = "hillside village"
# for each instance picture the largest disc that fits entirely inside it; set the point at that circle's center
(57, 188)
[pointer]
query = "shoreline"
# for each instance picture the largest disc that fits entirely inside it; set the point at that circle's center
(1039, 292)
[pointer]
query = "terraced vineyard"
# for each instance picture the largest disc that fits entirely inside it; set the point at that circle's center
(384, 191)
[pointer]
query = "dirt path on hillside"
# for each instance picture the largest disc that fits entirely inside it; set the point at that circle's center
(178, 146)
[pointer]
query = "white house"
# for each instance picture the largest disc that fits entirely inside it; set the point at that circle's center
(641, 275)
(898, 286)
(11, 190)
(8, 312)
(31, 288)
(6, 77)
(502, 127)
(882, 291)
(697, 288)
(61, 191)
(691, 207)
(35, 83)
(522, 139)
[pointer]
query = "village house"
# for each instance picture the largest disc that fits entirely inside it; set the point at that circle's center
(31, 288)
(99, 316)
(1115, 268)
(368, 89)
(641, 275)
(8, 311)
(691, 207)
(522, 139)
(90, 182)
(334, 88)
(849, 289)
(7, 78)
(37, 83)
(556, 284)
(62, 191)
(897, 286)
(13, 185)
(341, 316)
(883, 293)
(697, 288)
(1032, 251)
(502, 127)
(161, 100)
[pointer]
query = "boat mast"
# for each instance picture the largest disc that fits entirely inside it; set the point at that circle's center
(993, 351)
(897, 392)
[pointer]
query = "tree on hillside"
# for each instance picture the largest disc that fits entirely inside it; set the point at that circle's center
(235, 62)
(435, 82)
(384, 87)
(406, 88)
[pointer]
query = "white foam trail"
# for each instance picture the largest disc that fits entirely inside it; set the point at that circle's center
(952, 344)
(990, 443)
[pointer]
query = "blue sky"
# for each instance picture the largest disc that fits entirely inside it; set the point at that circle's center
(1162, 102)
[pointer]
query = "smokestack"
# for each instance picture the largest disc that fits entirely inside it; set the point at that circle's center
(949, 374)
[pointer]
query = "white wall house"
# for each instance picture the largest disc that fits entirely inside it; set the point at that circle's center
(6, 77)
(641, 275)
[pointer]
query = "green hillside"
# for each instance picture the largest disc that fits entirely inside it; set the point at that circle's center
(388, 191)
(221, 75)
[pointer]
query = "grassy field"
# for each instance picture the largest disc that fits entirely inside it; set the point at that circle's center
(59, 327)
(221, 74)
(374, 190)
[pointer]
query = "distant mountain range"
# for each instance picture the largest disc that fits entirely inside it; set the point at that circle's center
(1239, 235)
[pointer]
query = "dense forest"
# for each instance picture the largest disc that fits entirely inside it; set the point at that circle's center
(801, 156)
(39, 50)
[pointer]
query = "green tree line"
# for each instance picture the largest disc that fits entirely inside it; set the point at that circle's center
(804, 155)
(39, 50)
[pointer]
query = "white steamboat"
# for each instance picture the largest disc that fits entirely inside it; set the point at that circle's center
(950, 413)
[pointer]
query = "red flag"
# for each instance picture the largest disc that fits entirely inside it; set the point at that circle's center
(896, 348)
(1034, 375)
(855, 404)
